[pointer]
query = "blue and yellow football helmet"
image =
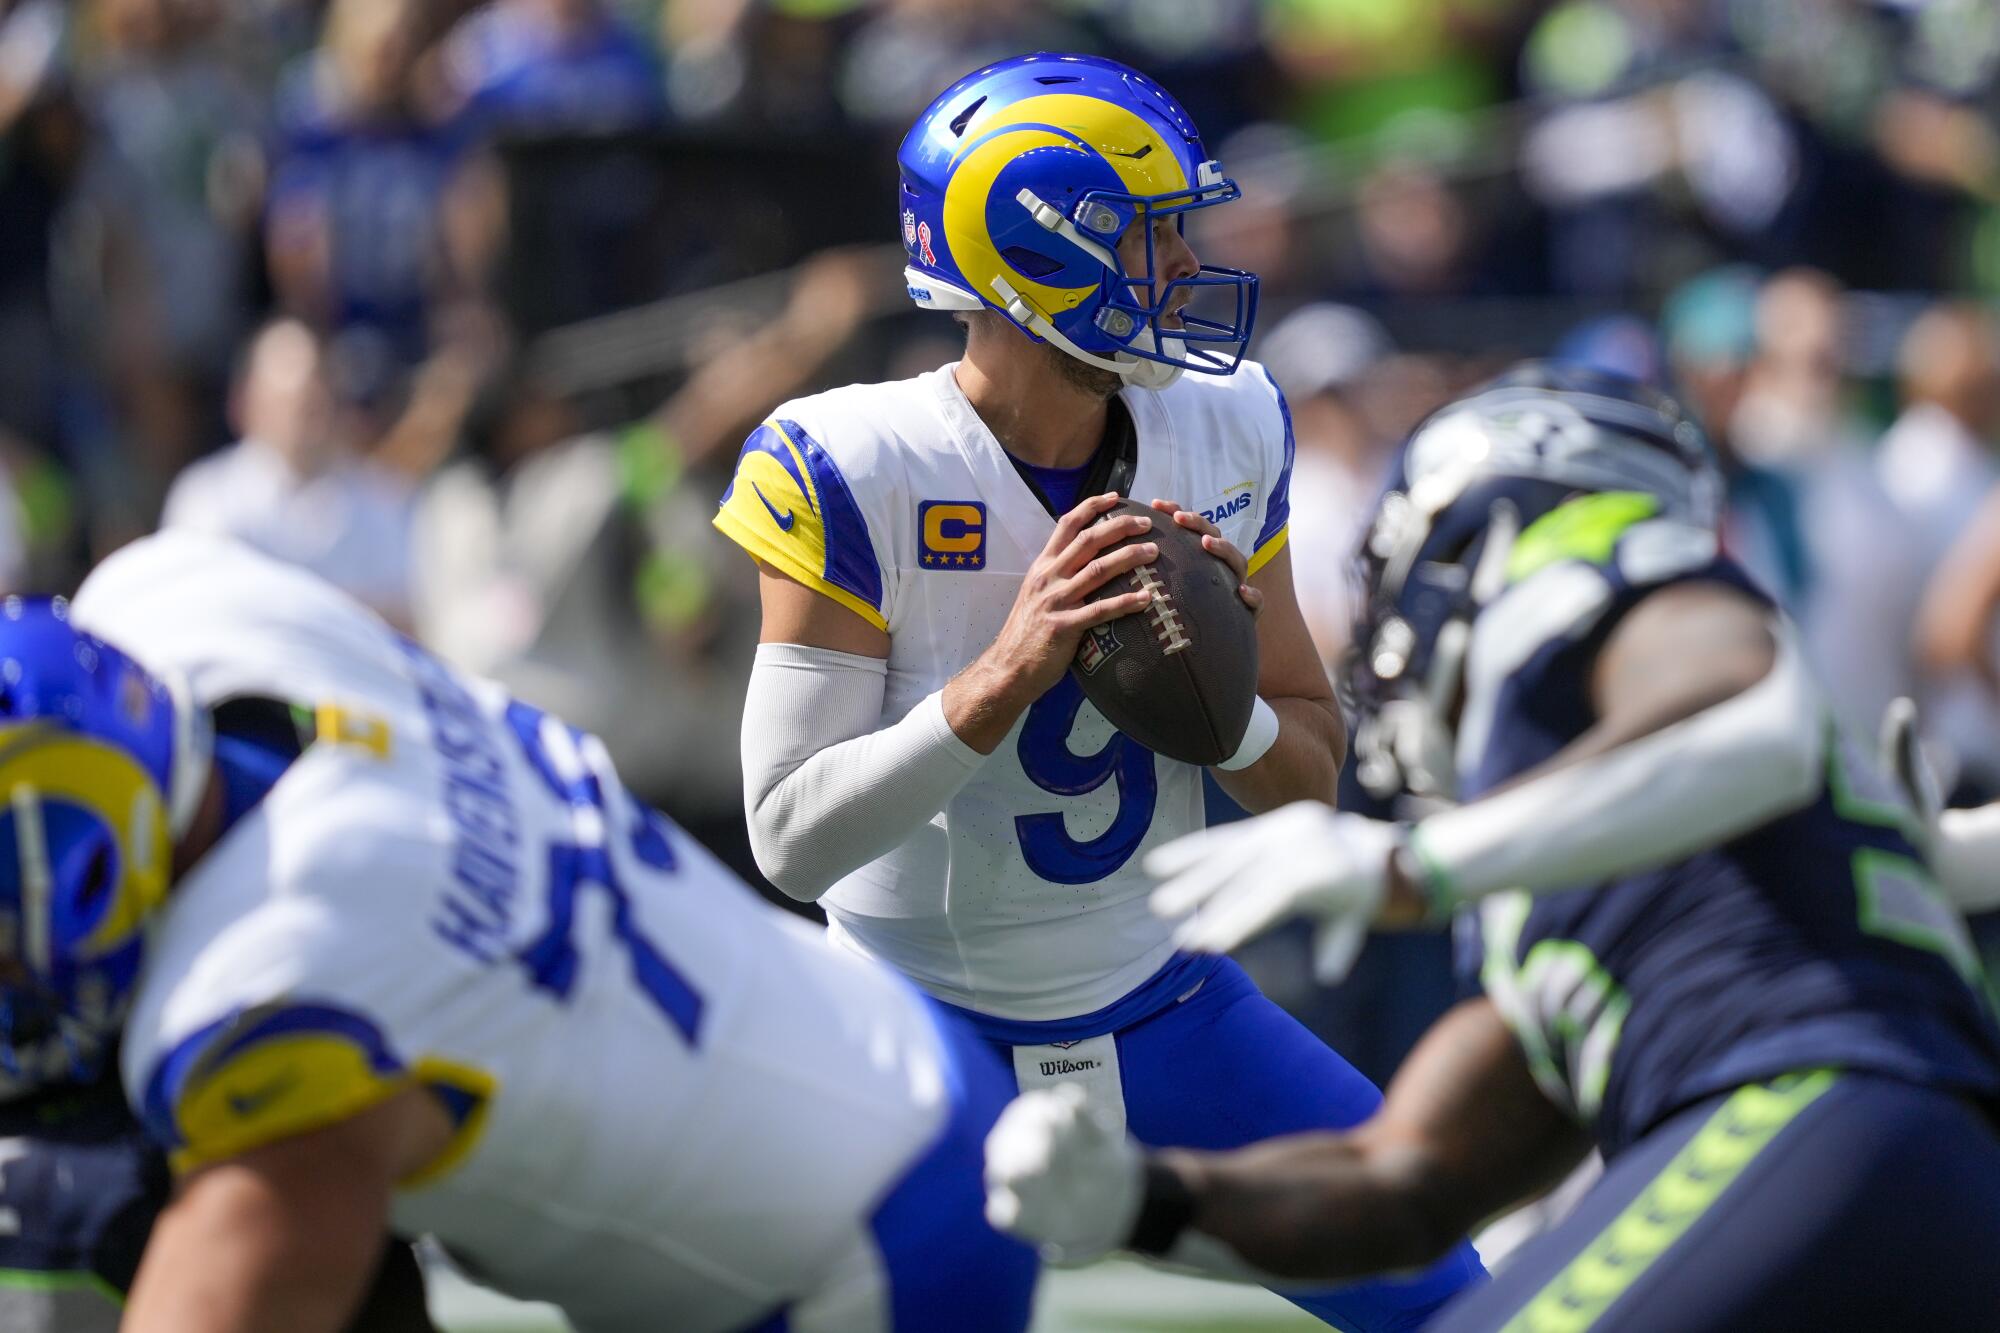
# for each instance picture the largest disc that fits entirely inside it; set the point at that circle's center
(1017, 183)
(100, 771)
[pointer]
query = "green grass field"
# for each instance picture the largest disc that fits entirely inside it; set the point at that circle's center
(1111, 1297)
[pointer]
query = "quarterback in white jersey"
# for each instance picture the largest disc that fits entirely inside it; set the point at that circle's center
(392, 950)
(1025, 899)
(916, 756)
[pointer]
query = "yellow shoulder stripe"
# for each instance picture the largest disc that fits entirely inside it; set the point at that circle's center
(1272, 545)
(289, 1070)
(276, 1089)
(789, 507)
(787, 556)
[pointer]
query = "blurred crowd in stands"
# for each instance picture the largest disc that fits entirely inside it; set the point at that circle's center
(466, 306)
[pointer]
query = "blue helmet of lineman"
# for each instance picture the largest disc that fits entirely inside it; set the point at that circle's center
(100, 771)
(1529, 465)
(1017, 183)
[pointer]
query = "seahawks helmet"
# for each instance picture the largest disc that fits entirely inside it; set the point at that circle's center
(1461, 511)
(1016, 185)
(101, 770)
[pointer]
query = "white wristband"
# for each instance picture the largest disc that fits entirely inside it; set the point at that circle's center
(1258, 738)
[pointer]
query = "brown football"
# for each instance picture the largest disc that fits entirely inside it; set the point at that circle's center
(1179, 677)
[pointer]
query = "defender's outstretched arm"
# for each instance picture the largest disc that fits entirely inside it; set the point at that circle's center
(1463, 1133)
(1707, 724)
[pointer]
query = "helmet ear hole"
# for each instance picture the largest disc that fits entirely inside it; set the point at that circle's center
(1030, 263)
(96, 881)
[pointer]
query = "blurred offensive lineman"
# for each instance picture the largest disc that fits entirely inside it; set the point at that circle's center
(384, 948)
(915, 755)
(1760, 1011)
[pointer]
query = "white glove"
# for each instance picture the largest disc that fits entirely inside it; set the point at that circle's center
(1962, 846)
(1061, 1175)
(1234, 882)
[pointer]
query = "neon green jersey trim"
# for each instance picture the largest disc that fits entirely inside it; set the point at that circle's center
(1440, 890)
(1850, 803)
(1899, 898)
(28, 1279)
(1699, 1174)
(1502, 916)
(1586, 528)
(1563, 1005)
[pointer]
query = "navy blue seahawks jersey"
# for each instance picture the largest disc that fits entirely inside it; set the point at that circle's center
(1817, 939)
(79, 1187)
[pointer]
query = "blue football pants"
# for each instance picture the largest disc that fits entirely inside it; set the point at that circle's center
(1223, 1067)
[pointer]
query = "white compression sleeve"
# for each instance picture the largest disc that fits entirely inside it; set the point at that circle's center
(1965, 852)
(826, 787)
(1645, 804)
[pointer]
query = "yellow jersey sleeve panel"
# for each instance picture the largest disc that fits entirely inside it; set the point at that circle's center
(1276, 524)
(1267, 548)
(789, 506)
(261, 1075)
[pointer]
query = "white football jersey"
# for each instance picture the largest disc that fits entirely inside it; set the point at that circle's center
(1023, 898)
(669, 1097)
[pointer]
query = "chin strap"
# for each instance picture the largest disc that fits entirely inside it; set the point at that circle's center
(1136, 371)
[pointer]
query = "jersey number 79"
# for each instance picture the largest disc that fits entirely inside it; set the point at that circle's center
(554, 751)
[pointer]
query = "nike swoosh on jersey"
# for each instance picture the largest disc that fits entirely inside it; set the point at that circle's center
(247, 1104)
(784, 520)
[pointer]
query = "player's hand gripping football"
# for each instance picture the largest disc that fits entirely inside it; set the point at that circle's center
(1050, 614)
(1061, 1176)
(1218, 546)
(1230, 884)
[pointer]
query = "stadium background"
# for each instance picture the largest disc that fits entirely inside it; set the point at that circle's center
(537, 266)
